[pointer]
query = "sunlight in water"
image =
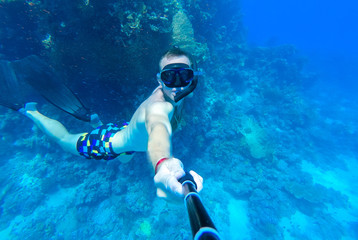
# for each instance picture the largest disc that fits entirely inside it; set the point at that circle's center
(239, 220)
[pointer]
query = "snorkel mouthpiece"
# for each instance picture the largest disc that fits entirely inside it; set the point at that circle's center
(187, 91)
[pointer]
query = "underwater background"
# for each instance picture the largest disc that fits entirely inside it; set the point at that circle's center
(272, 127)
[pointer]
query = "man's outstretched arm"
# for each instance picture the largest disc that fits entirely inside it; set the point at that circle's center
(167, 168)
(159, 132)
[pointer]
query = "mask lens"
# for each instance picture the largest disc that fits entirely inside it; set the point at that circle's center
(186, 75)
(167, 76)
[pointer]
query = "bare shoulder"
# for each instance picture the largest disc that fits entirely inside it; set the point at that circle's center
(159, 108)
(157, 105)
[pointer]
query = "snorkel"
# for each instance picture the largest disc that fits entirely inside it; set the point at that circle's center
(180, 95)
(197, 72)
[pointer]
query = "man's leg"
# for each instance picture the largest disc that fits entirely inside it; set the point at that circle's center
(52, 128)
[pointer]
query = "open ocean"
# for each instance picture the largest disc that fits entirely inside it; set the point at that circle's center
(272, 126)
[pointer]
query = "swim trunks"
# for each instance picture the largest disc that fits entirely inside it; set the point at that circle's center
(98, 143)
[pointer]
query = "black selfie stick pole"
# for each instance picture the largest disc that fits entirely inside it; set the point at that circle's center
(201, 224)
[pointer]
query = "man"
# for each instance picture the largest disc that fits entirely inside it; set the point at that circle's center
(150, 128)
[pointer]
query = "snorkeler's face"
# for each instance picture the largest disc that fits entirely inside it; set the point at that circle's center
(172, 91)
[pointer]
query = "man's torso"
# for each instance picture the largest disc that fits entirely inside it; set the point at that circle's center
(135, 136)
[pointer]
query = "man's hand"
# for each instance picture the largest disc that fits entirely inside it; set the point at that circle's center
(166, 180)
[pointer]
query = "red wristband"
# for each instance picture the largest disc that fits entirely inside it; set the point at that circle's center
(159, 162)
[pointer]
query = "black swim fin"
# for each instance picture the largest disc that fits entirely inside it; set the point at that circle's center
(10, 90)
(44, 79)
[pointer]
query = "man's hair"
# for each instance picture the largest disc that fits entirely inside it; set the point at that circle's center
(175, 51)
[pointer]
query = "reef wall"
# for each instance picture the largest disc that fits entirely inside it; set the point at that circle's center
(115, 45)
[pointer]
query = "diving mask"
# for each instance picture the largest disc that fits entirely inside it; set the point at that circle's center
(177, 75)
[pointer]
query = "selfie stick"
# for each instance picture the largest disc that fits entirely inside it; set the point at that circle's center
(201, 224)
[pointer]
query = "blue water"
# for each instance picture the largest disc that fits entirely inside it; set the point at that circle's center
(272, 126)
(324, 31)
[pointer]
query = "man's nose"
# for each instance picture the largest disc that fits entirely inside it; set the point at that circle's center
(177, 80)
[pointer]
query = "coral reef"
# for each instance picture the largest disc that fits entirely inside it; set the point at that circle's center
(183, 32)
(255, 138)
(144, 230)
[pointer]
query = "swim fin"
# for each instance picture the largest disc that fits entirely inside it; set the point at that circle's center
(10, 90)
(44, 79)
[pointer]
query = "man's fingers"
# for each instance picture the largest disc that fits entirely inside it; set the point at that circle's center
(198, 180)
(175, 187)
